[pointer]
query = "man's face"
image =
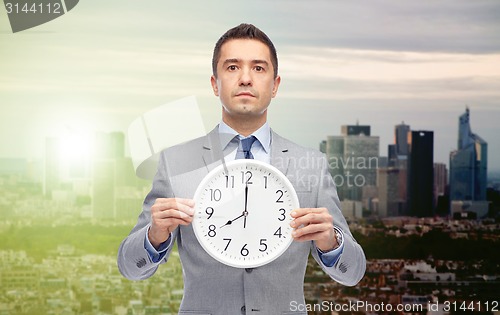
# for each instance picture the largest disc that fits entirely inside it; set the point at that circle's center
(245, 80)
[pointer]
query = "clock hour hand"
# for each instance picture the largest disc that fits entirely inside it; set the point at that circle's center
(231, 221)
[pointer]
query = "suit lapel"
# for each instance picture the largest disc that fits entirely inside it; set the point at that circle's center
(280, 157)
(212, 149)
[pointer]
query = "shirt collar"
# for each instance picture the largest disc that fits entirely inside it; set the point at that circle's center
(263, 134)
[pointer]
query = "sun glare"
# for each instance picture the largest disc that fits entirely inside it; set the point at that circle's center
(75, 147)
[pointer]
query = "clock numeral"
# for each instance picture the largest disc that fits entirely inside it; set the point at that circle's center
(265, 182)
(262, 243)
(229, 181)
(282, 214)
(210, 212)
(248, 175)
(278, 232)
(211, 231)
(244, 251)
(228, 242)
(280, 193)
(215, 194)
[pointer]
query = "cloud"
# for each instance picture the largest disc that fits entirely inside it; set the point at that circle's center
(446, 26)
(343, 74)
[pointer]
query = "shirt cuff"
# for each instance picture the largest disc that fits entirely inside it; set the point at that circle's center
(157, 254)
(331, 257)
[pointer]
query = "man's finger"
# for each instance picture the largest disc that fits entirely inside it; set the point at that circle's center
(173, 214)
(312, 218)
(164, 204)
(310, 229)
(304, 211)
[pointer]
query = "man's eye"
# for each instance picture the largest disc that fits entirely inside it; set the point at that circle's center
(231, 68)
(259, 68)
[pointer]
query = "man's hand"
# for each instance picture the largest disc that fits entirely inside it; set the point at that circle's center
(166, 215)
(314, 224)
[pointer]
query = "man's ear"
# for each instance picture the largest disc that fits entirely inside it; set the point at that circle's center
(277, 82)
(213, 81)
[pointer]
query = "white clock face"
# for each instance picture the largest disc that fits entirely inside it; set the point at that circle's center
(242, 217)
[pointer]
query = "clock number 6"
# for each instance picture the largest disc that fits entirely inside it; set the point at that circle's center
(244, 251)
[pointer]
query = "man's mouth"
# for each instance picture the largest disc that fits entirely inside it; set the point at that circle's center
(243, 94)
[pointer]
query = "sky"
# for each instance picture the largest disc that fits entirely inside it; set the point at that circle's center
(379, 63)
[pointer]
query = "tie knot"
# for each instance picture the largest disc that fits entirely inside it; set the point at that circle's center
(246, 145)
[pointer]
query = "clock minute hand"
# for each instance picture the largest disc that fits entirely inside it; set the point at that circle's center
(245, 212)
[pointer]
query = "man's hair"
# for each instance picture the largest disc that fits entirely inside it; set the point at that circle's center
(245, 31)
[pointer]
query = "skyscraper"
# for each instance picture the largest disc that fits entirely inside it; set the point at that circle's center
(353, 159)
(440, 180)
(52, 171)
(393, 180)
(421, 173)
(401, 139)
(441, 191)
(468, 169)
(109, 148)
(391, 184)
(468, 164)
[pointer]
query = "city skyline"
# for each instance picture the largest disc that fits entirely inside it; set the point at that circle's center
(76, 144)
(377, 62)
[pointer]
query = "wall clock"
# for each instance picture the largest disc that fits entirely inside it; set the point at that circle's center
(242, 216)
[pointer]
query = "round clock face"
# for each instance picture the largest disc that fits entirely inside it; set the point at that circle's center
(242, 217)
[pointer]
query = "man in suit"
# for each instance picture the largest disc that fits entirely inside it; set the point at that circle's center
(245, 78)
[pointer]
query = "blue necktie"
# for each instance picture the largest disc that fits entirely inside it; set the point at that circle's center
(246, 145)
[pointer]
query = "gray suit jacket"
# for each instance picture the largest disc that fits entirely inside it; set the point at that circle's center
(214, 288)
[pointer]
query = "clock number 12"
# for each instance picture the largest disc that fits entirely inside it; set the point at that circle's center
(248, 175)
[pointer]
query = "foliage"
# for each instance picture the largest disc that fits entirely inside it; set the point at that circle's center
(38, 241)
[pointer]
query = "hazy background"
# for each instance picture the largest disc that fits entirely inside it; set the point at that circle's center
(104, 63)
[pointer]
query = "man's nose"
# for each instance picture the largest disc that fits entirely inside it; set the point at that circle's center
(246, 77)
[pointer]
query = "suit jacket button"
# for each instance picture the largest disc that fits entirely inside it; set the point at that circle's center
(249, 270)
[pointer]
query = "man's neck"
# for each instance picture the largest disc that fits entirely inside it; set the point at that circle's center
(244, 127)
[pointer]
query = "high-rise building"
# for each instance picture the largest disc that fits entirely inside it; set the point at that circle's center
(468, 171)
(52, 171)
(353, 160)
(108, 152)
(441, 194)
(391, 155)
(401, 139)
(109, 145)
(421, 173)
(468, 164)
(103, 189)
(440, 180)
(391, 182)
(355, 130)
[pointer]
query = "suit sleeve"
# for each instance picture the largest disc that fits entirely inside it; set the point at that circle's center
(350, 267)
(134, 262)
